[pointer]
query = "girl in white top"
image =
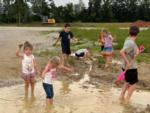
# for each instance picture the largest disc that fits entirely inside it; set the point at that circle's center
(49, 74)
(29, 66)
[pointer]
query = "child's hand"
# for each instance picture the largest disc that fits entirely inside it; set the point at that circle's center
(42, 77)
(20, 46)
(67, 69)
(38, 72)
(71, 70)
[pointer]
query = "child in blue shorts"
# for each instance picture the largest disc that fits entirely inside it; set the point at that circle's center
(108, 49)
(49, 74)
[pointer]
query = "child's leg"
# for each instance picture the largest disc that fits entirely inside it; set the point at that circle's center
(26, 88)
(49, 92)
(131, 89)
(104, 56)
(49, 102)
(32, 87)
(65, 58)
(124, 89)
(106, 60)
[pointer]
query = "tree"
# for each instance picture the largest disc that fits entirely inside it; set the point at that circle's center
(106, 12)
(144, 10)
(68, 13)
(40, 7)
(20, 8)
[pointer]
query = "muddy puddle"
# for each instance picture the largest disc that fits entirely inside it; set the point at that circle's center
(77, 97)
(78, 93)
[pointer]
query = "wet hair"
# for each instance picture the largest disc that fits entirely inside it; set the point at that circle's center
(55, 60)
(67, 25)
(134, 31)
(27, 45)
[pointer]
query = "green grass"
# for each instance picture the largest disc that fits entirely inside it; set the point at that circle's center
(44, 53)
(118, 34)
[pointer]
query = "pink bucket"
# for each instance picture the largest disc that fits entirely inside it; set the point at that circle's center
(121, 76)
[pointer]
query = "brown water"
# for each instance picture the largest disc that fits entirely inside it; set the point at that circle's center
(69, 98)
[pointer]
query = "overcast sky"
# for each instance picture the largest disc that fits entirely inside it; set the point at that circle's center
(63, 2)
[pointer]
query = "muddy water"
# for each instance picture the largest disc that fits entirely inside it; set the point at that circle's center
(68, 99)
(77, 97)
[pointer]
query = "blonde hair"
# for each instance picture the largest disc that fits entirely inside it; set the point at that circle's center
(55, 60)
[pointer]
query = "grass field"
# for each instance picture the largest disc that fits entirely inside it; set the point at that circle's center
(119, 36)
(90, 34)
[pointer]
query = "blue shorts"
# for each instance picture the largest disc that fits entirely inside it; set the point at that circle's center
(107, 49)
(48, 90)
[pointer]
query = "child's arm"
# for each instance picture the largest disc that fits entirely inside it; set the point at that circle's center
(64, 68)
(102, 38)
(56, 41)
(123, 55)
(18, 52)
(45, 71)
(36, 66)
(135, 56)
(112, 38)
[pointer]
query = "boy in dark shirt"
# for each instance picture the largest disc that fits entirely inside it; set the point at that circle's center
(65, 36)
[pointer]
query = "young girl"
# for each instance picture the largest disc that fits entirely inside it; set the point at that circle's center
(108, 49)
(101, 41)
(49, 74)
(129, 53)
(29, 66)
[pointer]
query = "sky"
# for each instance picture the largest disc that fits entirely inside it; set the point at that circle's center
(63, 2)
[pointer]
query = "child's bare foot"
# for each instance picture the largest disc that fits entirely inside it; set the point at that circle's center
(127, 101)
(122, 99)
(25, 98)
(33, 98)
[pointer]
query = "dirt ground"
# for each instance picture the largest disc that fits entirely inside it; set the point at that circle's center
(99, 78)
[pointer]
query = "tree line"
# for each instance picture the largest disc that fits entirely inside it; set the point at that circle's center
(24, 11)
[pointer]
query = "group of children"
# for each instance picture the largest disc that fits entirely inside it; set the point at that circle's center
(129, 53)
